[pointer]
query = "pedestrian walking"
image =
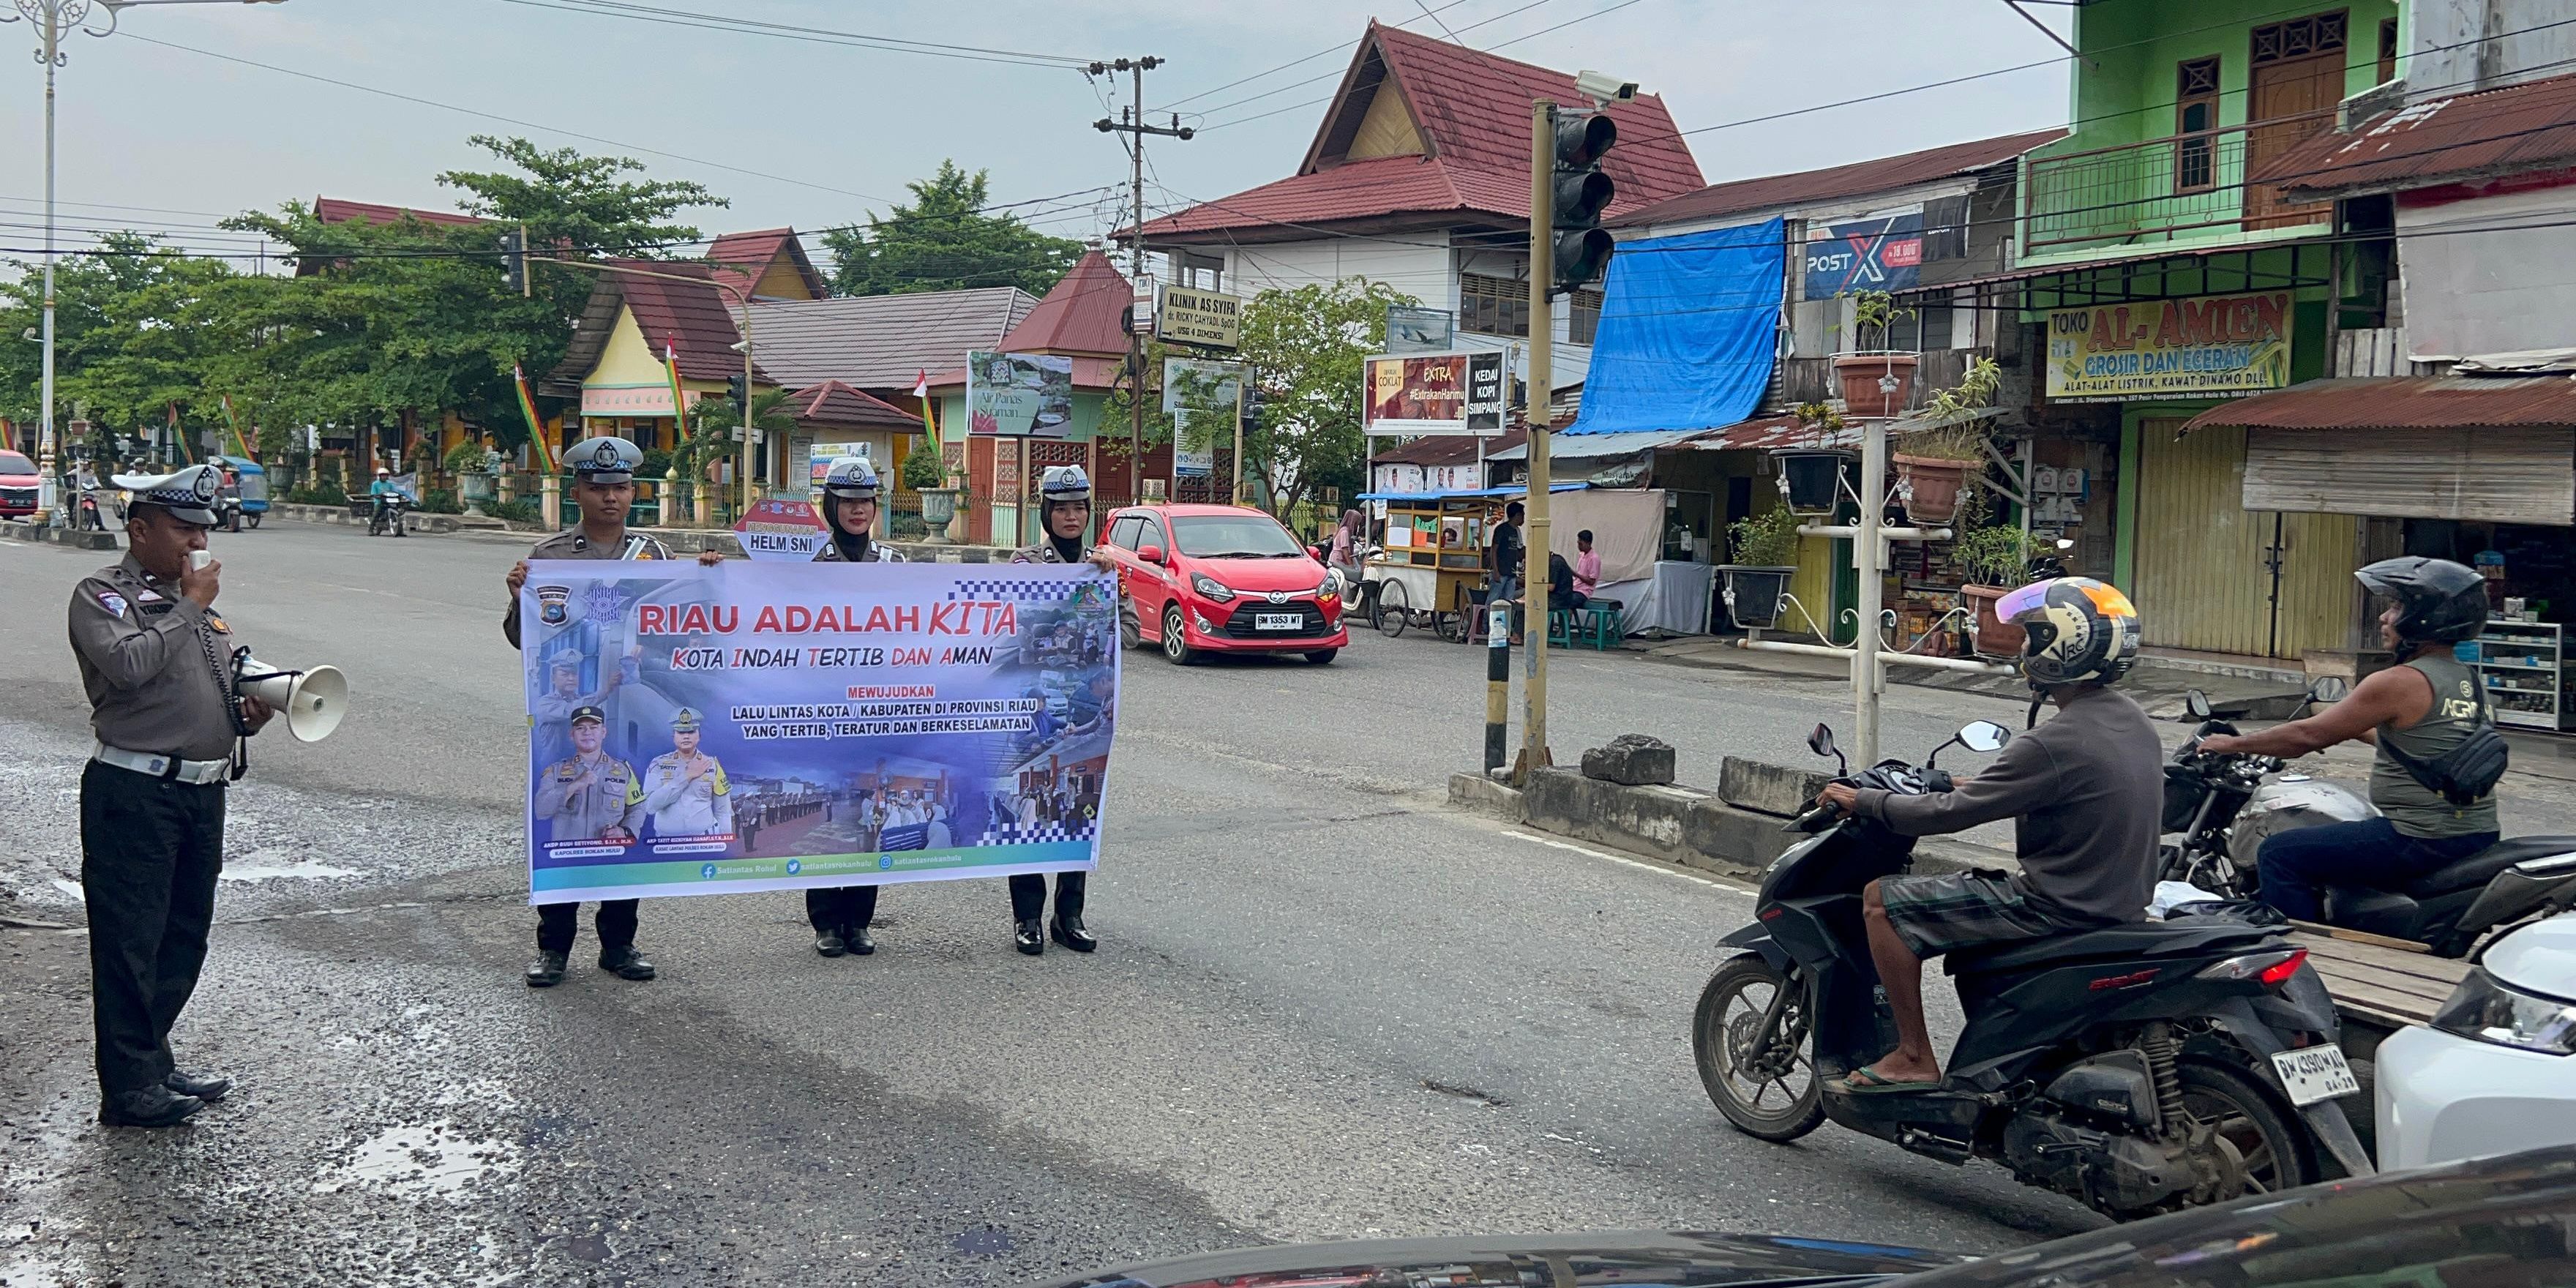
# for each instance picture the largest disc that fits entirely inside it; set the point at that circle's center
(603, 486)
(1064, 513)
(841, 915)
(157, 662)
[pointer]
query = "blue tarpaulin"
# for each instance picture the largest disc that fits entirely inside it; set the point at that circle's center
(1689, 326)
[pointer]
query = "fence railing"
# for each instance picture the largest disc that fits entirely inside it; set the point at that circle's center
(2164, 186)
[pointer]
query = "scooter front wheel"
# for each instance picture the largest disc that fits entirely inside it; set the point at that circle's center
(1768, 1088)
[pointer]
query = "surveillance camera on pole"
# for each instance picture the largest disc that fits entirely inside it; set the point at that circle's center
(1603, 88)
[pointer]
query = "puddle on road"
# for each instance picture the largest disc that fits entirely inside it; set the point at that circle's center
(437, 1160)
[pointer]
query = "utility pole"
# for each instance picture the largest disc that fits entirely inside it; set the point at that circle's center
(1133, 126)
(1542, 374)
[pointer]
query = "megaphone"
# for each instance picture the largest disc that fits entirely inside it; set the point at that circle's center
(311, 700)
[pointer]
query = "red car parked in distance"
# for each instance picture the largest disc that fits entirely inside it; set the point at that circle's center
(19, 485)
(1222, 579)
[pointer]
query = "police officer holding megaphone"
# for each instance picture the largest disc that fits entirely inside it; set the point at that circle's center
(171, 717)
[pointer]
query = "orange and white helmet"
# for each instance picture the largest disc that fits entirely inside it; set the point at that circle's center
(2075, 630)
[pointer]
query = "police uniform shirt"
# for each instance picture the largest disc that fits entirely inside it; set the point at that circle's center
(1042, 552)
(878, 552)
(143, 653)
(613, 799)
(573, 545)
(685, 807)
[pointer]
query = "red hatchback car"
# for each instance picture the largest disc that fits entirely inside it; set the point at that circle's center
(19, 484)
(1222, 579)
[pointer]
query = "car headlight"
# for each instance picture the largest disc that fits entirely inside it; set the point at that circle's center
(2485, 1011)
(1332, 587)
(1210, 588)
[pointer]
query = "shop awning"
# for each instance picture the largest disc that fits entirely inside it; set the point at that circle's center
(1770, 432)
(2495, 449)
(1562, 447)
(1458, 494)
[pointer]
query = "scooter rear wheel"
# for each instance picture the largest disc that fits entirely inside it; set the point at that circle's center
(1773, 1094)
(2277, 1151)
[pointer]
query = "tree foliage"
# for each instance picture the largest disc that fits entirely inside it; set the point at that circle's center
(580, 204)
(1306, 345)
(944, 241)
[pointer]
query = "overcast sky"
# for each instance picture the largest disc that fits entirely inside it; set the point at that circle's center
(829, 131)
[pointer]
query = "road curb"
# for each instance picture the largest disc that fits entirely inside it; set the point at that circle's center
(684, 541)
(71, 537)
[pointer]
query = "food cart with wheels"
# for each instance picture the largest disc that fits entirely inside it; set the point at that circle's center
(1429, 567)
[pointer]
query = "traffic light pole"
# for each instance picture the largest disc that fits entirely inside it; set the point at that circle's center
(1542, 279)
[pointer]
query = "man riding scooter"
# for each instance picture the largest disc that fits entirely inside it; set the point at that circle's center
(2085, 791)
(2418, 713)
(384, 491)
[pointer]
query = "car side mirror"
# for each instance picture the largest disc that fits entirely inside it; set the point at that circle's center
(2195, 704)
(1150, 554)
(1984, 736)
(2328, 689)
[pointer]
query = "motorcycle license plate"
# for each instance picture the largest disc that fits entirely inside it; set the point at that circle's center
(2311, 1074)
(1278, 621)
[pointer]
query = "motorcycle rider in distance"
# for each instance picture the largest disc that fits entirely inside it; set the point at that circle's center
(384, 488)
(2424, 706)
(2085, 790)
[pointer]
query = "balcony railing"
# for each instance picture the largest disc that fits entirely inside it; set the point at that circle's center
(2163, 189)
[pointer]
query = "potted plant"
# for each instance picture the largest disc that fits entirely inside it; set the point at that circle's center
(1766, 556)
(1811, 477)
(1995, 559)
(923, 472)
(1936, 462)
(1875, 381)
(472, 463)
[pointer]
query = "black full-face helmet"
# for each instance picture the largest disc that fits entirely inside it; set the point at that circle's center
(2439, 602)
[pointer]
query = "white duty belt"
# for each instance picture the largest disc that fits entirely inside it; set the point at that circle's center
(195, 772)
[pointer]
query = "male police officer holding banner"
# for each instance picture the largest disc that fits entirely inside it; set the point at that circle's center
(157, 662)
(604, 472)
(1064, 500)
(841, 916)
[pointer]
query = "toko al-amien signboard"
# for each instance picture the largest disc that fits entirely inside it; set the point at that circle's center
(2216, 346)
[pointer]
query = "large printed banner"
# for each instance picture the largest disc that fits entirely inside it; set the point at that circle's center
(777, 726)
(2215, 345)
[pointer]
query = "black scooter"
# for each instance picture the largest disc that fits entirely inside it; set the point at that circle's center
(2142, 1069)
(387, 518)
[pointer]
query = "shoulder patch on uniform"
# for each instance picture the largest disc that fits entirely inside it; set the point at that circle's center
(217, 623)
(111, 601)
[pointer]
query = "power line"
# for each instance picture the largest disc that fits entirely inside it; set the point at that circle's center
(1246, 80)
(791, 31)
(1282, 89)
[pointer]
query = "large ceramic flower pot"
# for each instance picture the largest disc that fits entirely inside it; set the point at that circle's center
(1931, 485)
(1996, 638)
(1755, 593)
(938, 506)
(1862, 375)
(1811, 476)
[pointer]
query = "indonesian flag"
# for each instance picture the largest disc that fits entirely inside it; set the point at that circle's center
(921, 384)
(536, 426)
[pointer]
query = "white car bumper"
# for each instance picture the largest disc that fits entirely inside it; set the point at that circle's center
(2443, 1097)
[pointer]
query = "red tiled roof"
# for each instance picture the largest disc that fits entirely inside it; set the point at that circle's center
(2404, 402)
(2531, 126)
(1856, 179)
(742, 258)
(1081, 315)
(1473, 112)
(693, 315)
(839, 406)
(336, 210)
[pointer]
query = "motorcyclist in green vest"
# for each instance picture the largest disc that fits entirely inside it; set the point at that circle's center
(2426, 705)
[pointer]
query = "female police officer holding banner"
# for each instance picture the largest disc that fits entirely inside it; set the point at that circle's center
(841, 916)
(1064, 499)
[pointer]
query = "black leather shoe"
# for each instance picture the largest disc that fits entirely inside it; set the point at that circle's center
(860, 944)
(1031, 938)
(829, 944)
(547, 970)
(626, 963)
(147, 1107)
(209, 1090)
(1068, 931)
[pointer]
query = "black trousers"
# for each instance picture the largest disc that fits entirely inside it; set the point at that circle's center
(844, 909)
(1028, 894)
(150, 849)
(557, 923)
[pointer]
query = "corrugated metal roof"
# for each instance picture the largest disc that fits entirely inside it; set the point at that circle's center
(836, 405)
(1768, 432)
(2404, 402)
(882, 341)
(1857, 179)
(690, 316)
(1573, 447)
(2531, 126)
(339, 210)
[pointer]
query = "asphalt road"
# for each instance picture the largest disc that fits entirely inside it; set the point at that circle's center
(1325, 1006)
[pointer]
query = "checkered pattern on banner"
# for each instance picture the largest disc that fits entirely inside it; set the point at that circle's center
(1076, 830)
(1014, 589)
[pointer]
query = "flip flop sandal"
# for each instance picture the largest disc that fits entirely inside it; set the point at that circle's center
(1865, 1081)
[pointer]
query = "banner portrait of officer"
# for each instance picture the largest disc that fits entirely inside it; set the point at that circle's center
(593, 795)
(685, 790)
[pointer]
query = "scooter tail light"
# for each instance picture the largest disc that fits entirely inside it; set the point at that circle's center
(2271, 970)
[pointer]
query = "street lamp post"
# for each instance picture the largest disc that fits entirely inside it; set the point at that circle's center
(52, 18)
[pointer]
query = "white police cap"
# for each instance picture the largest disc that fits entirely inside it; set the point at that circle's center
(1064, 483)
(605, 460)
(188, 493)
(852, 478)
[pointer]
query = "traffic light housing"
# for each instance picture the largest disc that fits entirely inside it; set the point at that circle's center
(738, 392)
(514, 261)
(1580, 193)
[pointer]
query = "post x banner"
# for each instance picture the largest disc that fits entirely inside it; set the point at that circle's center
(776, 726)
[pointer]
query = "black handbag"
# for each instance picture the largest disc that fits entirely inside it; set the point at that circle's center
(2465, 774)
